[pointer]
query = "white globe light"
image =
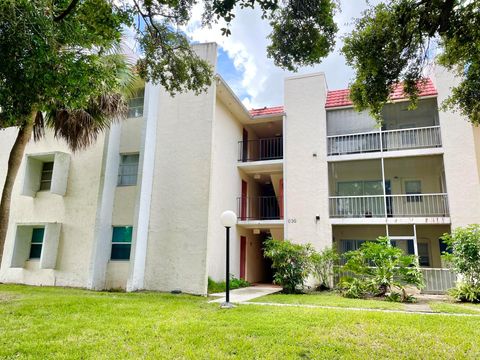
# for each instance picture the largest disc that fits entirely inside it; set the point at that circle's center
(228, 218)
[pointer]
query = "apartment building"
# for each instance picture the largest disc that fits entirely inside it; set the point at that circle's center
(141, 208)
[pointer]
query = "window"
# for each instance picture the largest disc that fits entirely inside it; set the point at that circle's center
(369, 206)
(423, 254)
(135, 104)
(121, 243)
(348, 245)
(127, 173)
(37, 243)
(46, 177)
(413, 187)
(46, 172)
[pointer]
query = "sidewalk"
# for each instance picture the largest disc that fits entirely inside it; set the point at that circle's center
(246, 294)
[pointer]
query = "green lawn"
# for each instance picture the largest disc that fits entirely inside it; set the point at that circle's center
(329, 299)
(45, 323)
(452, 308)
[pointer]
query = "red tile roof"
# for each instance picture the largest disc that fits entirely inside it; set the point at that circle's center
(337, 98)
(265, 111)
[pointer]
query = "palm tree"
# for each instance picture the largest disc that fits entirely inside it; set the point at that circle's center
(78, 127)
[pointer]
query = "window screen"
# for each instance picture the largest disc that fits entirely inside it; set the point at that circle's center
(135, 104)
(128, 170)
(46, 177)
(413, 187)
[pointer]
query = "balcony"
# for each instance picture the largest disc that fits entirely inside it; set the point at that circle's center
(389, 140)
(373, 206)
(260, 149)
(261, 208)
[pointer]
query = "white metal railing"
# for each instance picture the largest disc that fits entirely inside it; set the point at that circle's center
(357, 206)
(438, 281)
(353, 143)
(417, 205)
(414, 138)
(395, 205)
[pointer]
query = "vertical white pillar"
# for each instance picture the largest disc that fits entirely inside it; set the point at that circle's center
(146, 170)
(103, 221)
(285, 179)
(415, 244)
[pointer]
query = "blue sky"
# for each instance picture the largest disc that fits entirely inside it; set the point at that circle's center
(242, 59)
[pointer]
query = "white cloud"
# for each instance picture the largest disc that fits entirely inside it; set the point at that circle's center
(261, 80)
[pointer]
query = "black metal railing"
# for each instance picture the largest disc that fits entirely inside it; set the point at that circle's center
(261, 149)
(260, 208)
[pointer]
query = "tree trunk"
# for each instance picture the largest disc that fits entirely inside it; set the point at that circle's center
(14, 161)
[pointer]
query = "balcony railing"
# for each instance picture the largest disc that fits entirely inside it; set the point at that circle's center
(261, 149)
(435, 205)
(401, 139)
(260, 208)
(437, 280)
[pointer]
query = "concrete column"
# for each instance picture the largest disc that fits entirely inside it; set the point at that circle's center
(461, 143)
(103, 222)
(144, 197)
(305, 164)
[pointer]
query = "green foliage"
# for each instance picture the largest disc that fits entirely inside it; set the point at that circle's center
(464, 243)
(303, 32)
(380, 268)
(466, 292)
(292, 263)
(353, 287)
(49, 65)
(216, 287)
(323, 266)
(391, 43)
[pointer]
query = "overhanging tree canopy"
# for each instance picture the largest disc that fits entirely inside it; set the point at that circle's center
(392, 41)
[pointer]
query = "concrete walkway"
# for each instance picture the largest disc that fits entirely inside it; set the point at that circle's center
(247, 294)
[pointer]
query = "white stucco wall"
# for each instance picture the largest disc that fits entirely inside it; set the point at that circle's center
(225, 187)
(461, 163)
(176, 254)
(75, 211)
(306, 185)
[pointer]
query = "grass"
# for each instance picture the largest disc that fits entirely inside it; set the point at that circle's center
(329, 299)
(56, 323)
(454, 308)
(218, 287)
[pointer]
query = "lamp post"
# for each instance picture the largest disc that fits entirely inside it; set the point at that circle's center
(229, 219)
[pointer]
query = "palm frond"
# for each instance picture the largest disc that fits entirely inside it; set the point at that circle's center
(81, 127)
(38, 126)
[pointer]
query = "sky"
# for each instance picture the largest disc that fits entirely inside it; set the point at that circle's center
(242, 56)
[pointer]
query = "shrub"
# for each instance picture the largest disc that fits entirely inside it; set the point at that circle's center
(353, 287)
(464, 244)
(466, 292)
(220, 286)
(380, 268)
(292, 263)
(323, 265)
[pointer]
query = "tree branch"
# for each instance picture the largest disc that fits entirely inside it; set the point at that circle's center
(67, 11)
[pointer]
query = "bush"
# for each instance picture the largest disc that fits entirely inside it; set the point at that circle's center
(353, 288)
(464, 244)
(466, 292)
(292, 263)
(323, 265)
(380, 268)
(216, 287)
